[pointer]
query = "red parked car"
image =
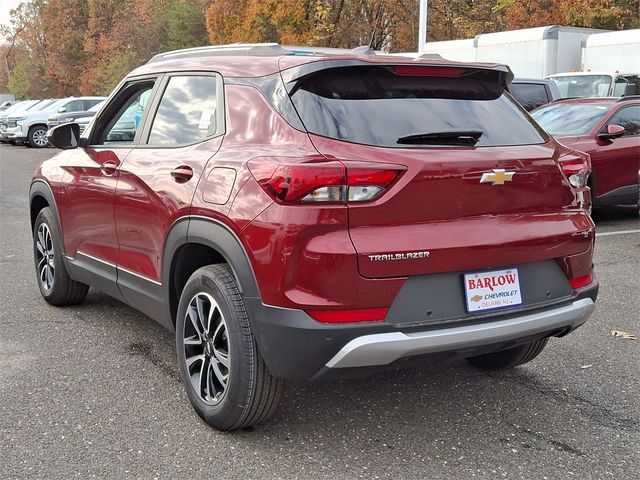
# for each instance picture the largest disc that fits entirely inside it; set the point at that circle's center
(608, 129)
(300, 215)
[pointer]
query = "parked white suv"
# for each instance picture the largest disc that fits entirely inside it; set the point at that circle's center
(31, 127)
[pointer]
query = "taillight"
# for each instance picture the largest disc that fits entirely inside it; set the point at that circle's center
(581, 281)
(347, 316)
(322, 181)
(576, 169)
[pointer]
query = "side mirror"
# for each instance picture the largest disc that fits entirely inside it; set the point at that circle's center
(62, 109)
(65, 136)
(613, 131)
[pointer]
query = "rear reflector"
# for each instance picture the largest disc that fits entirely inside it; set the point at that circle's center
(581, 281)
(427, 71)
(347, 316)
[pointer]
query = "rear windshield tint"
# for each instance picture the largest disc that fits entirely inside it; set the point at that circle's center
(375, 106)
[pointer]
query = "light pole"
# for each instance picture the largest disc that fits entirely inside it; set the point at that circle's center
(422, 28)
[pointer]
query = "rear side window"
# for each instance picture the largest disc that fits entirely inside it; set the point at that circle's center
(74, 106)
(91, 103)
(187, 111)
(529, 95)
(382, 105)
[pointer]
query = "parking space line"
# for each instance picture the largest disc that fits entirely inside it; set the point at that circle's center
(619, 232)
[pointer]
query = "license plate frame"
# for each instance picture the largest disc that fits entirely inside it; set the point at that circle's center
(492, 290)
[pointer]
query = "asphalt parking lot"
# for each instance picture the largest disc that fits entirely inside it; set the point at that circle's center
(93, 391)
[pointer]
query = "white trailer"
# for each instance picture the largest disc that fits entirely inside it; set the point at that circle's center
(612, 52)
(534, 52)
(456, 50)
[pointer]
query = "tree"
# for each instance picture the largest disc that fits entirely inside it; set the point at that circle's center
(66, 22)
(185, 24)
(27, 55)
(606, 14)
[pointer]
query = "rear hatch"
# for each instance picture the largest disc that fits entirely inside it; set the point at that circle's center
(479, 183)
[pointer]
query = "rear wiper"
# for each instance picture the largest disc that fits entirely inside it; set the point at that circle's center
(450, 137)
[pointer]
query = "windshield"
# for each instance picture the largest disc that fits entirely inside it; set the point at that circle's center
(571, 86)
(384, 106)
(566, 120)
(45, 105)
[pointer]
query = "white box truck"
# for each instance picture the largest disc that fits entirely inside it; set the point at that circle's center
(612, 51)
(456, 50)
(530, 52)
(610, 67)
(534, 52)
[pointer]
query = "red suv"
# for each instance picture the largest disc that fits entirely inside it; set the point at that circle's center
(608, 129)
(301, 215)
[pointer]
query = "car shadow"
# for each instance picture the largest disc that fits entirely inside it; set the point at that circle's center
(388, 412)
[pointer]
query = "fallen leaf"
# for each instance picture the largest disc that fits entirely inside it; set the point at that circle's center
(586, 366)
(623, 335)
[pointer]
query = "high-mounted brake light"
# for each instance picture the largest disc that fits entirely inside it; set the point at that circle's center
(347, 316)
(576, 169)
(322, 181)
(410, 70)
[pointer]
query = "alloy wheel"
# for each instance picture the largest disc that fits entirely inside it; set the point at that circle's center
(206, 348)
(45, 257)
(40, 138)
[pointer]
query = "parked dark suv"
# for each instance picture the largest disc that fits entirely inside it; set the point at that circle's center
(301, 215)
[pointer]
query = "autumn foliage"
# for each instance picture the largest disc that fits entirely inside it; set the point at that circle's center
(65, 47)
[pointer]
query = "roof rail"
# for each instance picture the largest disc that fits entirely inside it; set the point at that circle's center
(257, 49)
(241, 49)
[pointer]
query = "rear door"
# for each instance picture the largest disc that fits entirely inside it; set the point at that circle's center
(482, 186)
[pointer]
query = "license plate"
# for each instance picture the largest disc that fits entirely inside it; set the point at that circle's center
(492, 290)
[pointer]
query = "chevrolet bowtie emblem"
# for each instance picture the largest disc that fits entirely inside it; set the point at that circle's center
(497, 177)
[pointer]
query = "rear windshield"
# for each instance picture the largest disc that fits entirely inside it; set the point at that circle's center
(566, 120)
(376, 106)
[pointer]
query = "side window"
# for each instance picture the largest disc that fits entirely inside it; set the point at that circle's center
(90, 103)
(529, 95)
(187, 111)
(627, 85)
(119, 127)
(74, 106)
(629, 118)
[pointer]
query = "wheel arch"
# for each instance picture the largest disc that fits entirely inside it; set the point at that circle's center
(41, 196)
(194, 242)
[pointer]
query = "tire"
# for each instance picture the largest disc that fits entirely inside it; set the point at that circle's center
(54, 282)
(510, 358)
(37, 137)
(237, 390)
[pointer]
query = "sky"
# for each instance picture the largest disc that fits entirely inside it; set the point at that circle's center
(5, 7)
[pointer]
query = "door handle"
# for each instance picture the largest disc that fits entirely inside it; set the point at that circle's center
(182, 174)
(108, 168)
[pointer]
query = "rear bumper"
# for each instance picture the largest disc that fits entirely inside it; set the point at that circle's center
(385, 348)
(294, 346)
